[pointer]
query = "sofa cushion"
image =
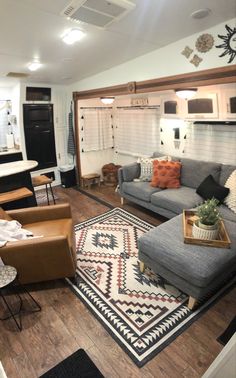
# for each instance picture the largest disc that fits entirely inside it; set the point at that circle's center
(226, 213)
(141, 190)
(176, 200)
(225, 172)
(166, 174)
(197, 264)
(131, 171)
(210, 188)
(193, 172)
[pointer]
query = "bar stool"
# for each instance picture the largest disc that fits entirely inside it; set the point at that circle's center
(15, 195)
(44, 180)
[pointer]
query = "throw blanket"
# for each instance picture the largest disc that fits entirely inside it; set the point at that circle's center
(12, 231)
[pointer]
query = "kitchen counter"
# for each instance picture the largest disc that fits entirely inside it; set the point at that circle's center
(9, 151)
(14, 167)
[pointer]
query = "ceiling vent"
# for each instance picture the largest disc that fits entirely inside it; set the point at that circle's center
(100, 13)
(17, 75)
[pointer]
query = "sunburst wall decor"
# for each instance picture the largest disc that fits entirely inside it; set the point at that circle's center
(229, 44)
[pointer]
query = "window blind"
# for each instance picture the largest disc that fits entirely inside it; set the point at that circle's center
(211, 142)
(96, 129)
(137, 131)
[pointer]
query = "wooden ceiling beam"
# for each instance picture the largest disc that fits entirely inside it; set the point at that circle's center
(213, 76)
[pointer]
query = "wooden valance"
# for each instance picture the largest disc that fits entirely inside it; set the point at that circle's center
(213, 76)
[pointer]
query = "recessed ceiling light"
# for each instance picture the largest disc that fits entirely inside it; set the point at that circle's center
(33, 66)
(72, 36)
(201, 13)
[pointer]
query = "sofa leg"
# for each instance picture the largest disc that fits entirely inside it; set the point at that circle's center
(141, 266)
(122, 200)
(192, 303)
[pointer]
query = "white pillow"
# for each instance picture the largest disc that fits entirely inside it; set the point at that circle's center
(230, 200)
(146, 167)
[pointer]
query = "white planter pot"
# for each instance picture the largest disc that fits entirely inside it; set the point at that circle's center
(205, 232)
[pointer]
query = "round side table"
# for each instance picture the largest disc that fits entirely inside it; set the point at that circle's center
(9, 283)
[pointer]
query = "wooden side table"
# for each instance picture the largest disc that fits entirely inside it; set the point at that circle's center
(9, 282)
(92, 178)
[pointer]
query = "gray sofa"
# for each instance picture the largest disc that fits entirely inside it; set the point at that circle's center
(171, 202)
(196, 270)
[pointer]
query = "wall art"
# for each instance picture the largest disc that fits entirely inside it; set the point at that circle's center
(187, 52)
(229, 44)
(196, 60)
(204, 43)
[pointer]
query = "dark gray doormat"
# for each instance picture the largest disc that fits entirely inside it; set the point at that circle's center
(228, 333)
(77, 365)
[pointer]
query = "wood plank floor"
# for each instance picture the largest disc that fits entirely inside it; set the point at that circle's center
(65, 324)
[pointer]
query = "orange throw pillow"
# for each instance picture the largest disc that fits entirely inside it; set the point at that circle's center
(166, 174)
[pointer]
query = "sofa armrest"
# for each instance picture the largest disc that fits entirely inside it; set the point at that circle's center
(130, 171)
(41, 213)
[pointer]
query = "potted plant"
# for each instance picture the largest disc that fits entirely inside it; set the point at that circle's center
(207, 225)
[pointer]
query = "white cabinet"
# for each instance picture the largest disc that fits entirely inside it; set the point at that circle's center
(202, 106)
(171, 107)
(229, 102)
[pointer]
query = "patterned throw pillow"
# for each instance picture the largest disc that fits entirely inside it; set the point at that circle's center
(166, 174)
(146, 167)
(230, 200)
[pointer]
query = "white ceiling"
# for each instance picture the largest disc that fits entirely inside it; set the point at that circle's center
(32, 28)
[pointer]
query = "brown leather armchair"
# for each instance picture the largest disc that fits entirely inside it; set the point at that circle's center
(48, 257)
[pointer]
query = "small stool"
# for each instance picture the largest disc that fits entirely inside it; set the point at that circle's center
(43, 180)
(92, 178)
(8, 279)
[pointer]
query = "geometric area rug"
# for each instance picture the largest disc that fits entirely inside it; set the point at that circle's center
(141, 311)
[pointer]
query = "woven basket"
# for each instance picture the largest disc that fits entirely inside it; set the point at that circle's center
(109, 172)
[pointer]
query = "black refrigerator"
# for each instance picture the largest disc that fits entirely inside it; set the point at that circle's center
(39, 134)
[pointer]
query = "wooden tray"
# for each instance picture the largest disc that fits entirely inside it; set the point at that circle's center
(188, 218)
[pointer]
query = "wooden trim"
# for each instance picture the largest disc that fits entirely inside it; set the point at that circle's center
(213, 76)
(115, 90)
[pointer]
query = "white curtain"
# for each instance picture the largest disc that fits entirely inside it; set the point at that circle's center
(96, 129)
(137, 131)
(211, 142)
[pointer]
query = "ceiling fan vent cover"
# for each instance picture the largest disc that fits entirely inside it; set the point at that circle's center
(100, 13)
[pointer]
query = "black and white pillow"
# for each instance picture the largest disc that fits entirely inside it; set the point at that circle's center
(146, 167)
(230, 200)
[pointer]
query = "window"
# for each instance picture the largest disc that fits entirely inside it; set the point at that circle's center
(137, 131)
(211, 142)
(96, 129)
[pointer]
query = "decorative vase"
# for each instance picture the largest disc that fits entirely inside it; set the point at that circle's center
(205, 232)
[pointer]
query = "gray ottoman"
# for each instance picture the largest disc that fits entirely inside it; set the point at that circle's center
(193, 269)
